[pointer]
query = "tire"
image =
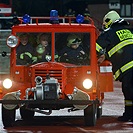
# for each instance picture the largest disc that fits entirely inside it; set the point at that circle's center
(99, 112)
(8, 117)
(26, 114)
(90, 115)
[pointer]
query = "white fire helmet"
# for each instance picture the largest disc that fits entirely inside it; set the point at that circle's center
(110, 18)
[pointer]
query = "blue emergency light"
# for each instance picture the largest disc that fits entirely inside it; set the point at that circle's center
(80, 18)
(26, 19)
(54, 17)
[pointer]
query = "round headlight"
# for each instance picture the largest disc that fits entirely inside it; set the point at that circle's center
(12, 41)
(7, 83)
(87, 83)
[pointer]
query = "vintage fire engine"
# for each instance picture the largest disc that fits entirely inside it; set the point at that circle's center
(54, 84)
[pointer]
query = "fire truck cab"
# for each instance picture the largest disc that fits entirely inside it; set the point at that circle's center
(55, 82)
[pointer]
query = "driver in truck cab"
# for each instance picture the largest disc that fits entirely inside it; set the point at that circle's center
(25, 51)
(73, 52)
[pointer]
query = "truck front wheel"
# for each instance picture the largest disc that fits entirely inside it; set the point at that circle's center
(8, 117)
(26, 114)
(90, 115)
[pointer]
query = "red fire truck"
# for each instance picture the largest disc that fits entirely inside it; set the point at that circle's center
(54, 84)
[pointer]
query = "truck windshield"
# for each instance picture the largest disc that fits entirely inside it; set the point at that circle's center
(69, 48)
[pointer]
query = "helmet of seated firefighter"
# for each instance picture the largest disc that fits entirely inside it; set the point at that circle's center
(109, 19)
(73, 39)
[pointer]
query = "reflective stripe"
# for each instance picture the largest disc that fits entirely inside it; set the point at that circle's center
(128, 103)
(34, 58)
(29, 54)
(98, 47)
(56, 56)
(123, 69)
(127, 66)
(119, 46)
(22, 56)
(117, 73)
(105, 69)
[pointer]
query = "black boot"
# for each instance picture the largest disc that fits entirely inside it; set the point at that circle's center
(127, 115)
(125, 118)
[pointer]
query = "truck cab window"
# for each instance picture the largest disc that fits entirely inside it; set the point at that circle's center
(33, 48)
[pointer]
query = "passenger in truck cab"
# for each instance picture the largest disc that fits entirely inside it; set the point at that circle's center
(73, 52)
(43, 49)
(25, 51)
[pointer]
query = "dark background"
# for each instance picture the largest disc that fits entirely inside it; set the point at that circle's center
(43, 7)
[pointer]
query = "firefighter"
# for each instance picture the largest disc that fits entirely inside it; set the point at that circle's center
(116, 44)
(25, 51)
(73, 52)
(43, 49)
(70, 13)
(86, 16)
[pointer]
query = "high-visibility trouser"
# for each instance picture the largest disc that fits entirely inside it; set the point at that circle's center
(123, 69)
(128, 103)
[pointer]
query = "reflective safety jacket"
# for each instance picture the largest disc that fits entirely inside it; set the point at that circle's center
(71, 52)
(118, 43)
(25, 54)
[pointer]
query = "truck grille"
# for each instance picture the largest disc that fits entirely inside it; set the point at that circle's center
(57, 74)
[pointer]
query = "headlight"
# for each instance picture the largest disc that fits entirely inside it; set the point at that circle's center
(12, 41)
(38, 80)
(87, 83)
(7, 83)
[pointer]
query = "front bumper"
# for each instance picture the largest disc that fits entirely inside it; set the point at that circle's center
(51, 102)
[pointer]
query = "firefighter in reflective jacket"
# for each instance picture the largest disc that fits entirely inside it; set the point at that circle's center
(73, 52)
(116, 42)
(25, 51)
